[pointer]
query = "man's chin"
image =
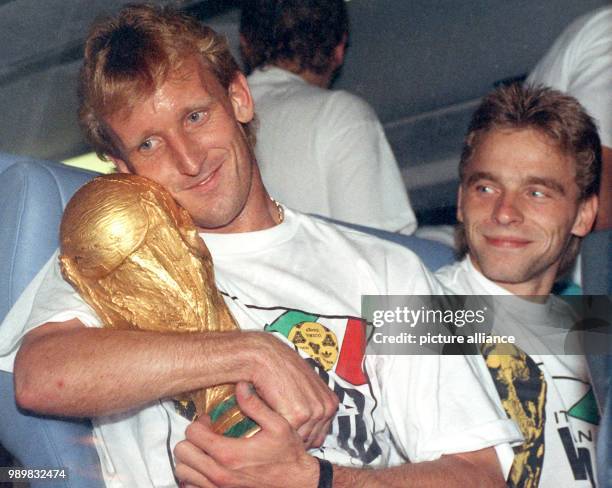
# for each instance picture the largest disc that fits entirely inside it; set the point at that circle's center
(217, 224)
(507, 278)
(505, 272)
(212, 227)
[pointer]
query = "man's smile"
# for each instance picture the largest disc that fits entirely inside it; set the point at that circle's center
(206, 183)
(508, 242)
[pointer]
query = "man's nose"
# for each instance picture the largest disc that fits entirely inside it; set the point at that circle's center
(189, 155)
(507, 209)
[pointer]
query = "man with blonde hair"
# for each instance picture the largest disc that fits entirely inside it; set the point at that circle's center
(162, 98)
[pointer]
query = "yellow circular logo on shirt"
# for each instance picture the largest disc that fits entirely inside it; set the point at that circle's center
(317, 341)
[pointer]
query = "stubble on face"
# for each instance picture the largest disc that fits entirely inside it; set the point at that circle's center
(518, 203)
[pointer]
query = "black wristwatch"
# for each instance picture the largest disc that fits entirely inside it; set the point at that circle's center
(326, 473)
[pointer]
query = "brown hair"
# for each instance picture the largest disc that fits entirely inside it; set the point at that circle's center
(558, 116)
(131, 54)
(304, 32)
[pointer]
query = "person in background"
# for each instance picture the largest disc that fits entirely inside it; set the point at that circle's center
(320, 151)
(529, 177)
(579, 63)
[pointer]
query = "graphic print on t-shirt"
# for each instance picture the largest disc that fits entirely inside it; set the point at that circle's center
(537, 406)
(334, 346)
(522, 389)
(321, 344)
(576, 426)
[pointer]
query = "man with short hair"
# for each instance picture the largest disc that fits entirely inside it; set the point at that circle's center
(162, 97)
(321, 151)
(530, 172)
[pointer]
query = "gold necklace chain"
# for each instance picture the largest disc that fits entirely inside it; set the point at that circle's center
(279, 209)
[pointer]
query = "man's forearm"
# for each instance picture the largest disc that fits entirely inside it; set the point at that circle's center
(479, 468)
(276, 454)
(68, 369)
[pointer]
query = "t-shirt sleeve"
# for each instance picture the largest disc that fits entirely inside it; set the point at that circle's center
(366, 185)
(57, 301)
(406, 274)
(48, 298)
(438, 405)
(591, 85)
(579, 63)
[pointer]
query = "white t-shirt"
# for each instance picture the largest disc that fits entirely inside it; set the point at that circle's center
(324, 152)
(303, 280)
(580, 64)
(561, 418)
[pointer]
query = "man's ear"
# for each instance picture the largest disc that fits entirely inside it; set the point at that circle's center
(121, 165)
(242, 101)
(587, 211)
(460, 204)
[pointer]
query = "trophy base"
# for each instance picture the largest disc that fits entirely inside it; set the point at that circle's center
(228, 420)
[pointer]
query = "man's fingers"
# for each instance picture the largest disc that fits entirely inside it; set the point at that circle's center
(219, 448)
(189, 477)
(200, 434)
(310, 432)
(205, 420)
(295, 391)
(318, 435)
(191, 465)
(254, 407)
(317, 423)
(196, 467)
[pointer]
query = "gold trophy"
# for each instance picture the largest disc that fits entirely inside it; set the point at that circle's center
(135, 256)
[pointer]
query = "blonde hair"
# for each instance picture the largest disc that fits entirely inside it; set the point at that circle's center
(131, 54)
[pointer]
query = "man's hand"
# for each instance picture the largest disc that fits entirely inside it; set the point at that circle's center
(274, 457)
(293, 390)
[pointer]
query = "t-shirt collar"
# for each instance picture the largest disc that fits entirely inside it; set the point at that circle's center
(233, 244)
(481, 283)
(274, 74)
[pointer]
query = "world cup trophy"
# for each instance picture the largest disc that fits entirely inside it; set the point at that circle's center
(135, 256)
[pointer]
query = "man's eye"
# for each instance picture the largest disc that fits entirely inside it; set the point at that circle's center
(146, 145)
(537, 194)
(484, 189)
(195, 117)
